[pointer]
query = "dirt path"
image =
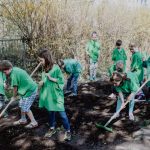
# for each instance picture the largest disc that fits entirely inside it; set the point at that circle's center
(91, 106)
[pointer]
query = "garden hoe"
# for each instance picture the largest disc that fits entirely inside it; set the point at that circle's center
(12, 100)
(116, 114)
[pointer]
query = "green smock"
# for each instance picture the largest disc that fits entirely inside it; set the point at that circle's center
(137, 65)
(25, 84)
(93, 50)
(72, 66)
(2, 80)
(51, 93)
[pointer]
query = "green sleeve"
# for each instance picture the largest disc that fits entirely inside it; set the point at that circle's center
(125, 56)
(114, 55)
(133, 86)
(98, 45)
(111, 70)
(14, 81)
(4, 77)
(43, 77)
(118, 89)
(134, 63)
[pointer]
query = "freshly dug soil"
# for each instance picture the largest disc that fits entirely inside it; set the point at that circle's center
(91, 106)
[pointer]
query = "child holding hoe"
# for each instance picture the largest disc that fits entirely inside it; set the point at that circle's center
(125, 88)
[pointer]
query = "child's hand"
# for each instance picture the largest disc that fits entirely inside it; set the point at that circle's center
(41, 83)
(13, 98)
(49, 77)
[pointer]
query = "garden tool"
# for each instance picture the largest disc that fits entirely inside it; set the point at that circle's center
(105, 127)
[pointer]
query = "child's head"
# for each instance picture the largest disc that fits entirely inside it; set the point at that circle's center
(6, 66)
(119, 66)
(132, 47)
(94, 36)
(117, 78)
(46, 58)
(118, 44)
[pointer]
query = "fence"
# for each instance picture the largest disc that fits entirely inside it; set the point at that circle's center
(15, 50)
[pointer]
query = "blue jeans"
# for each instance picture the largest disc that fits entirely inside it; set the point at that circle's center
(72, 83)
(63, 116)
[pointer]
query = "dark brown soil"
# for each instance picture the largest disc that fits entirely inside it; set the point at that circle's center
(89, 107)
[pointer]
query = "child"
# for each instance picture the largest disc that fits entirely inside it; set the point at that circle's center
(136, 63)
(125, 88)
(73, 68)
(146, 64)
(51, 93)
(2, 89)
(119, 67)
(26, 88)
(93, 51)
(119, 54)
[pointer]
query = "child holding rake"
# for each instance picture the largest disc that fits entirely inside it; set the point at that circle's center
(51, 93)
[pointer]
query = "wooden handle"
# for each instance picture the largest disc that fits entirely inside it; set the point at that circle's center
(36, 69)
(1, 114)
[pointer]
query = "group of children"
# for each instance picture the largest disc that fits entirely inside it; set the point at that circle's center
(50, 88)
(126, 83)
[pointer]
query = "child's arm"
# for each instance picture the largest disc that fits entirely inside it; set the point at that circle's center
(15, 91)
(50, 78)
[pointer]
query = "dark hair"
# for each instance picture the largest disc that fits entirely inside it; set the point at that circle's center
(46, 54)
(118, 43)
(6, 64)
(94, 32)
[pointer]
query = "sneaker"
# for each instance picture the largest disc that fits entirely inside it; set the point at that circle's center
(112, 96)
(91, 78)
(72, 95)
(20, 122)
(50, 133)
(67, 136)
(67, 92)
(117, 116)
(131, 116)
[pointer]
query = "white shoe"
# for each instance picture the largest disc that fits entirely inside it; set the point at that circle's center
(112, 96)
(117, 116)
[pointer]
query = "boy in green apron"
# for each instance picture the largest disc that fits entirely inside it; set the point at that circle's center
(73, 68)
(119, 54)
(2, 89)
(136, 63)
(146, 64)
